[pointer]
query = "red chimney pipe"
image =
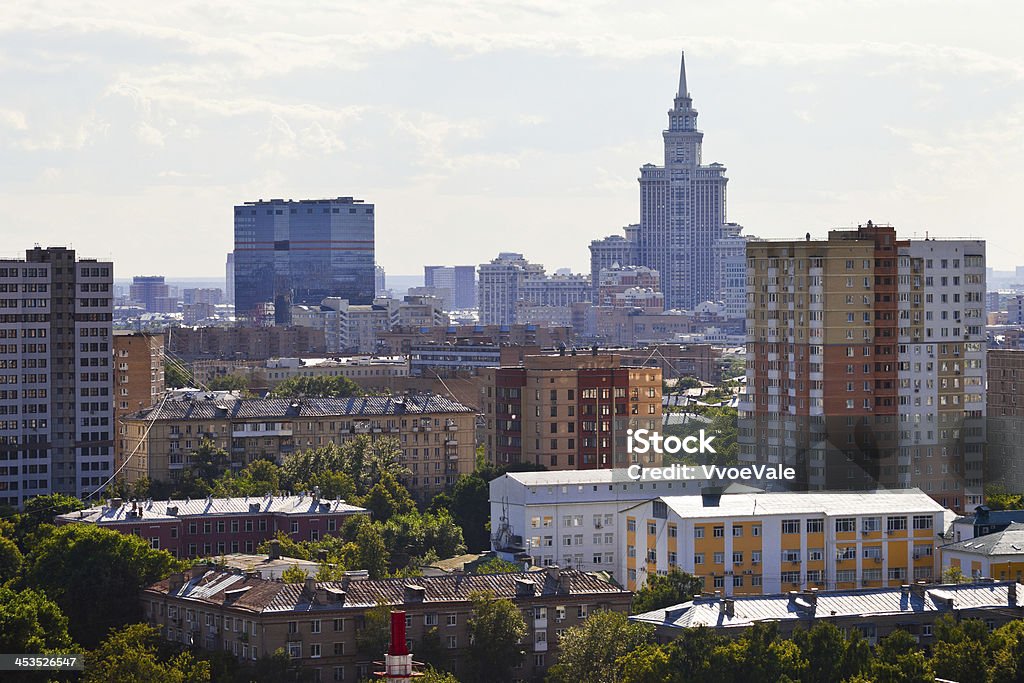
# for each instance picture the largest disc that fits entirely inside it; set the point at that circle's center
(398, 634)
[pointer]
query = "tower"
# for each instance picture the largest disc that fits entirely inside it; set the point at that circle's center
(398, 664)
(682, 210)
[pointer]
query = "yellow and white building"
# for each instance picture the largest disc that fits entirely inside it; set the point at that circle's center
(762, 543)
(998, 555)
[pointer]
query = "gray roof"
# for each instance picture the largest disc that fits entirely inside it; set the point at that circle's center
(263, 595)
(866, 603)
(1009, 541)
(231, 408)
(210, 507)
(893, 502)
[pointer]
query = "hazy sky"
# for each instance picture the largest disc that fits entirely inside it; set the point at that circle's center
(129, 129)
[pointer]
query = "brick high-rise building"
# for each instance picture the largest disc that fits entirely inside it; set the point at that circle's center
(569, 411)
(1005, 421)
(866, 362)
(138, 377)
(56, 434)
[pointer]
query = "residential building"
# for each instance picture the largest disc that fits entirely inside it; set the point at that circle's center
(380, 282)
(866, 362)
(874, 612)
(316, 623)
(244, 343)
(731, 264)
(401, 340)
(349, 328)
(614, 251)
(56, 404)
(571, 518)
(362, 368)
(984, 521)
(628, 287)
(997, 555)
(569, 411)
(437, 435)
(138, 377)
(702, 361)
(467, 358)
(1015, 309)
(682, 210)
(611, 326)
(300, 252)
(774, 542)
(460, 280)
(510, 280)
(206, 527)
(1004, 460)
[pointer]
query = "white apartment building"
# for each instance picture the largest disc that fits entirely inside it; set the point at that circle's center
(352, 367)
(761, 543)
(570, 518)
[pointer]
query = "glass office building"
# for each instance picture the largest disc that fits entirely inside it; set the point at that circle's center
(299, 252)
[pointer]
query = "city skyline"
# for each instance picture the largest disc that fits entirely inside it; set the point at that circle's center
(540, 139)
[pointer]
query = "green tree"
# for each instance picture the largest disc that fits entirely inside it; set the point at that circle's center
(10, 559)
(209, 462)
(899, 659)
(648, 664)
(388, 498)
(78, 560)
(495, 627)
(496, 565)
(960, 652)
(287, 546)
(589, 652)
(333, 485)
(131, 654)
(316, 387)
(998, 498)
(430, 650)
(233, 382)
(258, 478)
(372, 552)
(1006, 647)
(42, 510)
(294, 574)
(828, 654)
(175, 377)
(275, 668)
(471, 508)
(432, 675)
(664, 591)
(953, 574)
(362, 459)
(32, 623)
(759, 656)
(373, 638)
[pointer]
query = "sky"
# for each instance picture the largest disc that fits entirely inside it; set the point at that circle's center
(129, 130)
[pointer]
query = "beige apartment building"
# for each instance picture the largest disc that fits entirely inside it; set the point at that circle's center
(317, 623)
(437, 434)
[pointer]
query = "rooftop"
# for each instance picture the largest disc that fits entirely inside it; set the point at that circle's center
(1009, 541)
(881, 503)
(217, 586)
(864, 603)
(117, 511)
(234, 408)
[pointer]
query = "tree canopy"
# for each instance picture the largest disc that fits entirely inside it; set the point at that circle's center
(664, 591)
(495, 628)
(316, 387)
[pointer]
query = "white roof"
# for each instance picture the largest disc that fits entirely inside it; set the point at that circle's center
(210, 507)
(830, 504)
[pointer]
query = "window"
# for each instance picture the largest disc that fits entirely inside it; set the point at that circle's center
(871, 524)
(293, 627)
(314, 626)
(755, 530)
(314, 650)
(791, 526)
(815, 526)
(737, 558)
(339, 625)
(295, 650)
(698, 558)
(630, 525)
(846, 524)
(452, 642)
(339, 649)
(698, 532)
(719, 558)
(922, 521)
(719, 532)
(737, 530)
(430, 619)
(896, 524)
(451, 620)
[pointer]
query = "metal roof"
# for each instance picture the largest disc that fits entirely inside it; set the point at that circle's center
(881, 503)
(264, 595)
(1009, 541)
(152, 510)
(805, 606)
(232, 408)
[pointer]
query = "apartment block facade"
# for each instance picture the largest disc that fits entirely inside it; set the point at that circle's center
(1005, 418)
(762, 543)
(510, 289)
(866, 362)
(205, 527)
(56, 403)
(245, 343)
(437, 435)
(569, 411)
(317, 623)
(138, 377)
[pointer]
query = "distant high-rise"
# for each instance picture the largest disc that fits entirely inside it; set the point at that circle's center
(513, 290)
(229, 279)
(682, 211)
(301, 252)
(614, 251)
(153, 293)
(56, 400)
(380, 281)
(461, 280)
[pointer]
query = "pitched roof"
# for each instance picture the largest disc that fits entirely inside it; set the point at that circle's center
(1009, 541)
(153, 510)
(866, 603)
(900, 501)
(266, 596)
(231, 408)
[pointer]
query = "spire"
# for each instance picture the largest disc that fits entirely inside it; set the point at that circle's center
(682, 76)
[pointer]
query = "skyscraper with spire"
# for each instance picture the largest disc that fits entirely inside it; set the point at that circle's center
(682, 211)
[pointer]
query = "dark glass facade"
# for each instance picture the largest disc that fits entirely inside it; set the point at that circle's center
(299, 252)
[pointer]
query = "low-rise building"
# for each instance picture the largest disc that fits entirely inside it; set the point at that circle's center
(317, 623)
(362, 369)
(205, 527)
(875, 612)
(761, 543)
(999, 555)
(983, 521)
(437, 434)
(570, 518)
